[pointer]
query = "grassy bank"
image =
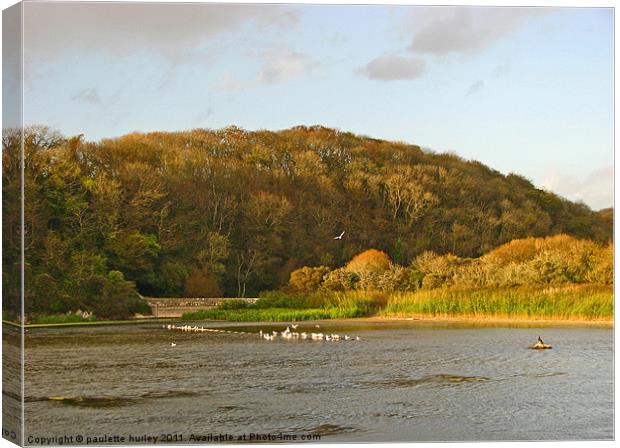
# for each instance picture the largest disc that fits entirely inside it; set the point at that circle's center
(532, 302)
(71, 323)
(273, 314)
(278, 306)
(577, 303)
(571, 302)
(54, 319)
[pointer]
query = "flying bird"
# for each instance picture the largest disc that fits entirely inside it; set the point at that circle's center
(339, 237)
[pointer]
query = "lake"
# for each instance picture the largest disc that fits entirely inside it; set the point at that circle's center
(402, 381)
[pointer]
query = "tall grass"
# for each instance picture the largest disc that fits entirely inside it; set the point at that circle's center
(568, 302)
(277, 306)
(272, 314)
(564, 302)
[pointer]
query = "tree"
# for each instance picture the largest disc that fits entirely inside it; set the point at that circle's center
(371, 261)
(260, 241)
(243, 209)
(438, 270)
(135, 254)
(117, 299)
(214, 251)
(341, 280)
(202, 283)
(308, 279)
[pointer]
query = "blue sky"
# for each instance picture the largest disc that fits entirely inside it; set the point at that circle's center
(526, 90)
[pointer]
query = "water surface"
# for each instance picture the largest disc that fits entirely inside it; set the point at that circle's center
(403, 381)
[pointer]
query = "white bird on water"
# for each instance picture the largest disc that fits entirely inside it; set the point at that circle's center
(339, 237)
(294, 327)
(172, 344)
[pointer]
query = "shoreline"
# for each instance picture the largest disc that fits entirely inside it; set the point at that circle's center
(422, 318)
(90, 323)
(492, 320)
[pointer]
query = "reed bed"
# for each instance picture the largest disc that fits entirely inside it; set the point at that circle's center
(532, 302)
(570, 302)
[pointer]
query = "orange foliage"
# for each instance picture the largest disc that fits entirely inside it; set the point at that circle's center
(517, 251)
(372, 261)
(522, 250)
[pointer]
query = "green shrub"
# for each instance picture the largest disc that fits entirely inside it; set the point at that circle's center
(308, 279)
(232, 304)
(341, 280)
(113, 297)
(142, 307)
(278, 299)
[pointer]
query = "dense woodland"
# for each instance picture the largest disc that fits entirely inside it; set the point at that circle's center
(233, 213)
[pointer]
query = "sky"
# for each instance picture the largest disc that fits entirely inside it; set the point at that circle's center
(524, 90)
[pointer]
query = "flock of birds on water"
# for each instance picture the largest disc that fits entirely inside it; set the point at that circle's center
(268, 336)
(288, 334)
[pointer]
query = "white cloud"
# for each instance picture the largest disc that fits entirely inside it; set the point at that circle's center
(596, 189)
(275, 66)
(282, 66)
(392, 68)
(445, 30)
(168, 29)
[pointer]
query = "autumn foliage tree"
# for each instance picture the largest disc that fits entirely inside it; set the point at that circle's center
(233, 212)
(371, 261)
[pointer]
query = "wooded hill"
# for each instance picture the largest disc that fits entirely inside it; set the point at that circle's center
(234, 212)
